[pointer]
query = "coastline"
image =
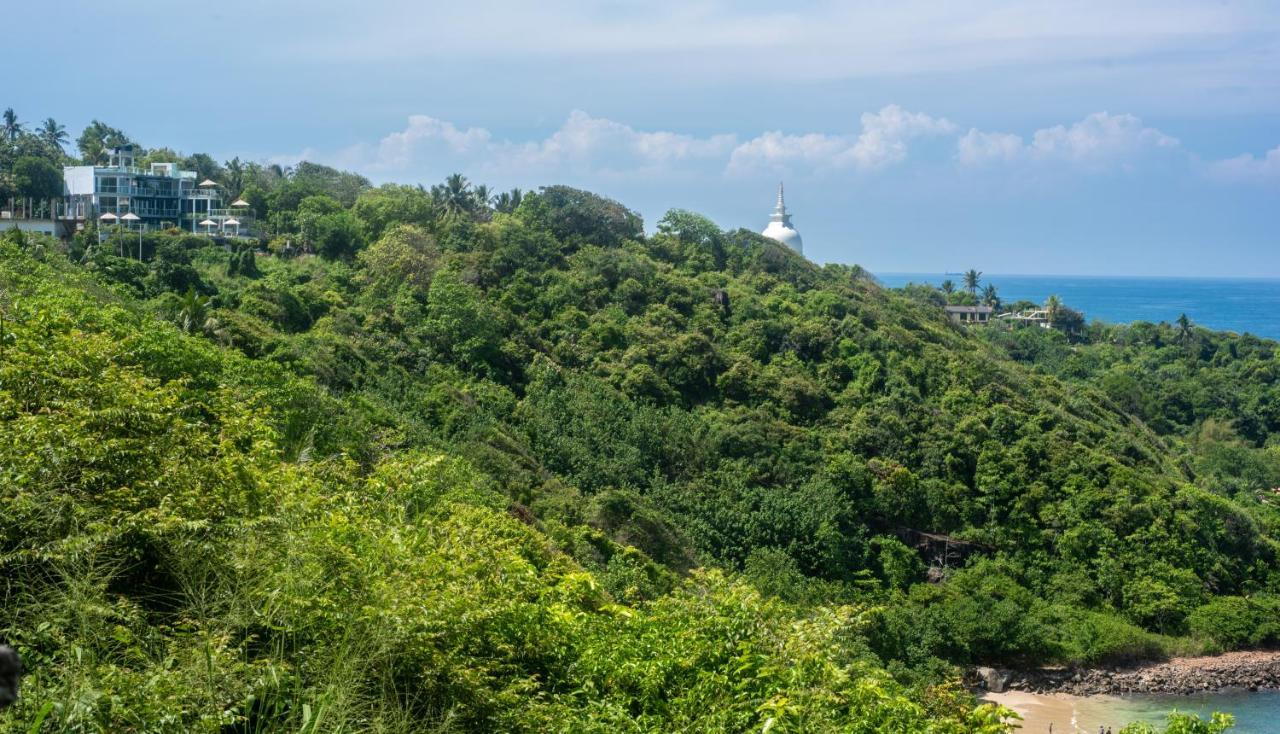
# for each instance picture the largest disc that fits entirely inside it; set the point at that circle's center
(1065, 713)
(1248, 670)
(1255, 712)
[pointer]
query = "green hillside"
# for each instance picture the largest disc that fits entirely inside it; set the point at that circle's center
(430, 463)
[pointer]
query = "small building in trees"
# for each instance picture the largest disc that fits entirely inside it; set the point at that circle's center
(969, 314)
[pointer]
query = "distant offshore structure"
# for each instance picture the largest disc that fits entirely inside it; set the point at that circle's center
(780, 228)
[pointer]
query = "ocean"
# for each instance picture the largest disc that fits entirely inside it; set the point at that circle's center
(1255, 713)
(1242, 305)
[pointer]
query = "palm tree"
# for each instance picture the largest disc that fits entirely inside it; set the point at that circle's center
(191, 310)
(12, 128)
(1053, 309)
(54, 134)
(233, 175)
(971, 281)
(948, 287)
(455, 195)
(990, 297)
(1184, 329)
(483, 197)
(508, 202)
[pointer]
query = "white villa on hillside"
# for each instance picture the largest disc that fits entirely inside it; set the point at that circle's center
(158, 197)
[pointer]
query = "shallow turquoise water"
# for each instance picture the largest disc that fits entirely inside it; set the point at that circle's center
(1241, 305)
(1256, 712)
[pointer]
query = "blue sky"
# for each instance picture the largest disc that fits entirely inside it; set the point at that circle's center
(1092, 137)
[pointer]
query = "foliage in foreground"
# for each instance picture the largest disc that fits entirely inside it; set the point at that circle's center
(166, 568)
(1185, 724)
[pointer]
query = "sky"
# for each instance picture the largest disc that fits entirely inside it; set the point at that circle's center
(1116, 137)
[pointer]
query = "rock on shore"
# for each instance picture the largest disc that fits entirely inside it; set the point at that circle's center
(1249, 670)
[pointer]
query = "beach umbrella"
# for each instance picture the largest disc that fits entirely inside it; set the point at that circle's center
(206, 183)
(239, 202)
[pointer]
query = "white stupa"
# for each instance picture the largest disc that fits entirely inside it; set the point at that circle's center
(780, 228)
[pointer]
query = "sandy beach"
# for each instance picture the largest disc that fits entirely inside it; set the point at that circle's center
(1067, 714)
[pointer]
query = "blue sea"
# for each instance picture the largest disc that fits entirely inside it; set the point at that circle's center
(1256, 712)
(1242, 305)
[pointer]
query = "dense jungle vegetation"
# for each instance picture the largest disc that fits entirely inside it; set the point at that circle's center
(444, 460)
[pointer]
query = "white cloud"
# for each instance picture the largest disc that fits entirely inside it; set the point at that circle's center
(1099, 139)
(885, 134)
(398, 147)
(1249, 168)
(587, 140)
(583, 142)
(585, 146)
(1100, 135)
(774, 149)
(976, 146)
(882, 142)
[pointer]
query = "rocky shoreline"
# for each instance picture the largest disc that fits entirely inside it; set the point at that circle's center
(1250, 670)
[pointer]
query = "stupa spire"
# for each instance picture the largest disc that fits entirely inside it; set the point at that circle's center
(780, 211)
(780, 227)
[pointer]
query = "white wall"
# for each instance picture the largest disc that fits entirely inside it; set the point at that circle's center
(42, 226)
(78, 180)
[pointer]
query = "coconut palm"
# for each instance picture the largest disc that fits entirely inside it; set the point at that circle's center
(191, 310)
(1185, 331)
(1053, 309)
(12, 128)
(948, 287)
(54, 134)
(990, 297)
(233, 175)
(454, 196)
(508, 201)
(971, 281)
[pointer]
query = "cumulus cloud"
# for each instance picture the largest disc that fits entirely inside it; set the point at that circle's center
(584, 139)
(1099, 139)
(584, 146)
(1249, 168)
(976, 146)
(882, 142)
(581, 142)
(774, 149)
(398, 147)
